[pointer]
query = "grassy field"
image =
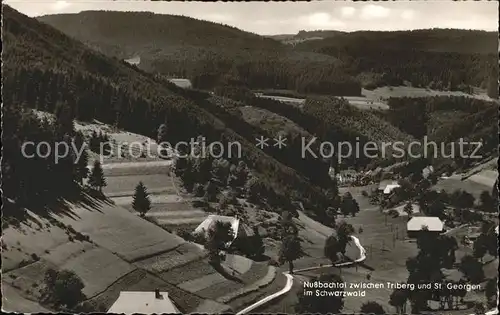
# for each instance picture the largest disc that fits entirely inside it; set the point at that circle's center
(366, 103)
(97, 268)
(122, 232)
(34, 238)
(178, 256)
(169, 209)
(220, 289)
(270, 121)
(453, 183)
(405, 91)
(126, 146)
(188, 272)
(118, 237)
(371, 99)
(127, 183)
(245, 300)
(13, 301)
(137, 168)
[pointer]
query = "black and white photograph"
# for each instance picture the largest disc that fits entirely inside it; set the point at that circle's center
(308, 157)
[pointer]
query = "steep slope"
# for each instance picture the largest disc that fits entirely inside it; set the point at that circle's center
(60, 70)
(205, 52)
(320, 123)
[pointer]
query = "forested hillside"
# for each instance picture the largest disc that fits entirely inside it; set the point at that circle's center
(326, 118)
(46, 70)
(335, 117)
(205, 52)
(437, 58)
(446, 119)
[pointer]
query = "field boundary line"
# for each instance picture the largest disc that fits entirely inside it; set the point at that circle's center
(112, 283)
(144, 257)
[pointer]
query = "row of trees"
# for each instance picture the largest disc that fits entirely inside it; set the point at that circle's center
(435, 252)
(335, 244)
(486, 242)
(216, 179)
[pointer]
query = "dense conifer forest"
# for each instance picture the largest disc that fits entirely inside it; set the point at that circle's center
(46, 70)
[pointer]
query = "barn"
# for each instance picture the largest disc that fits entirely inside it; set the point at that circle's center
(183, 83)
(418, 225)
(239, 229)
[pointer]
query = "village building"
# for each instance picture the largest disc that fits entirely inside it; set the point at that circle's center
(427, 171)
(389, 188)
(384, 183)
(418, 225)
(182, 83)
(143, 302)
(239, 229)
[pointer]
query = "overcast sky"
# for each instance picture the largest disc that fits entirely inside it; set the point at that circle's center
(289, 17)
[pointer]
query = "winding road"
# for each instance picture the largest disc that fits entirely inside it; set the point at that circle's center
(289, 282)
(289, 277)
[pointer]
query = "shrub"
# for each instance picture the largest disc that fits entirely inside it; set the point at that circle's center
(198, 190)
(393, 213)
(185, 234)
(199, 238)
(81, 237)
(63, 288)
(23, 263)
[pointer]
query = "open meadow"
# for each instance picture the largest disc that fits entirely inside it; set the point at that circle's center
(386, 92)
